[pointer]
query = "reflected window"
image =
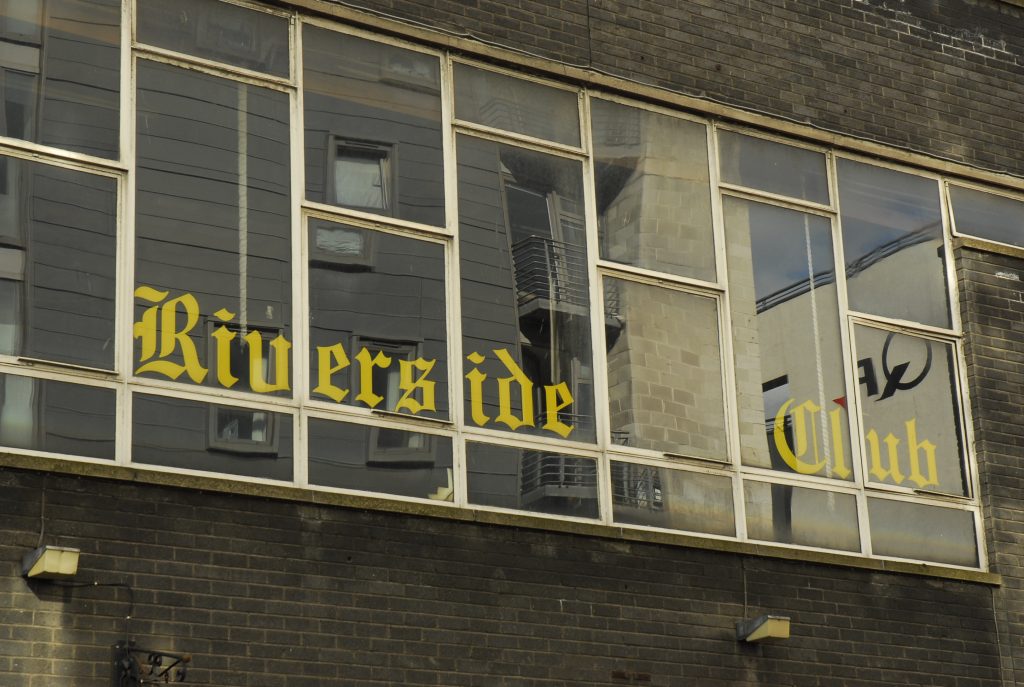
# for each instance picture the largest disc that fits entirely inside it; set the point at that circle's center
(191, 435)
(653, 190)
(217, 31)
(672, 499)
(773, 167)
(525, 291)
(378, 331)
(892, 243)
(987, 215)
(362, 176)
(786, 328)
(373, 127)
(808, 517)
(213, 229)
(665, 388)
(59, 73)
(516, 105)
(531, 480)
(57, 417)
(911, 415)
(380, 459)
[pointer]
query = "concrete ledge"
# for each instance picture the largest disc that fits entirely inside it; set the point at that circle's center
(451, 512)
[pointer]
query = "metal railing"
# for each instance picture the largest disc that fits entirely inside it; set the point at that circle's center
(553, 471)
(550, 270)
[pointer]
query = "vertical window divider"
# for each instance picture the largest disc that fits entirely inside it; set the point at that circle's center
(456, 401)
(125, 284)
(300, 252)
(725, 327)
(599, 353)
(848, 342)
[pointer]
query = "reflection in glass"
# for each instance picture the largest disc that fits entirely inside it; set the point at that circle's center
(892, 243)
(373, 127)
(57, 263)
(773, 167)
(653, 190)
(673, 499)
(525, 291)
(185, 434)
(380, 459)
(786, 330)
(216, 31)
(59, 73)
(912, 430)
(987, 215)
(531, 480)
(516, 105)
(806, 517)
(664, 370)
(213, 214)
(44, 415)
(377, 306)
(924, 533)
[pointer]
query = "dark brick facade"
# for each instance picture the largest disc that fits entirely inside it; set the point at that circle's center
(274, 593)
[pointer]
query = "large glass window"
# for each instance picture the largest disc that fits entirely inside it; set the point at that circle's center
(60, 73)
(373, 127)
(213, 231)
(660, 322)
(525, 291)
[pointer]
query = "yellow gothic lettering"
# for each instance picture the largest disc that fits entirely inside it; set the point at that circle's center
(257, 379)
(476, 380)
(519, 377)
(839, 467)
(366, 364)
(803, 417)
(330, 359)
(224, 336)
(557, 397)
(407, 384)
(171, 339)
(914, 447)
(892, 445)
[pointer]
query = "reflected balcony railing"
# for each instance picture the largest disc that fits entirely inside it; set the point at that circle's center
(550, 474)
(550, 270)
(637, 486)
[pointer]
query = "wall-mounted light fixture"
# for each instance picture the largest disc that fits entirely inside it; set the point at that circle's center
(50, 563)
(763, 627)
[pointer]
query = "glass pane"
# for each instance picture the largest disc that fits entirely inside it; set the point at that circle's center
(673, 499)
(177, 433)
(789, 371)
(213, 231)
(373, 127)
(378, 336)
(912, 431)
(525, 291)
(216, 31)
(806, 517)
(664, 370)
(390, 461)
(44, 415)
(892, 244)
(57, 263)
(653, 190)
(516, 105)
(531, 480)
(60, 73)
(988, 216)
(772, 167)
(924, 533)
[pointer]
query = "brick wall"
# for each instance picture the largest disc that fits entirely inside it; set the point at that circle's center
(993, 314)
(942, 78)
(273, 593)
